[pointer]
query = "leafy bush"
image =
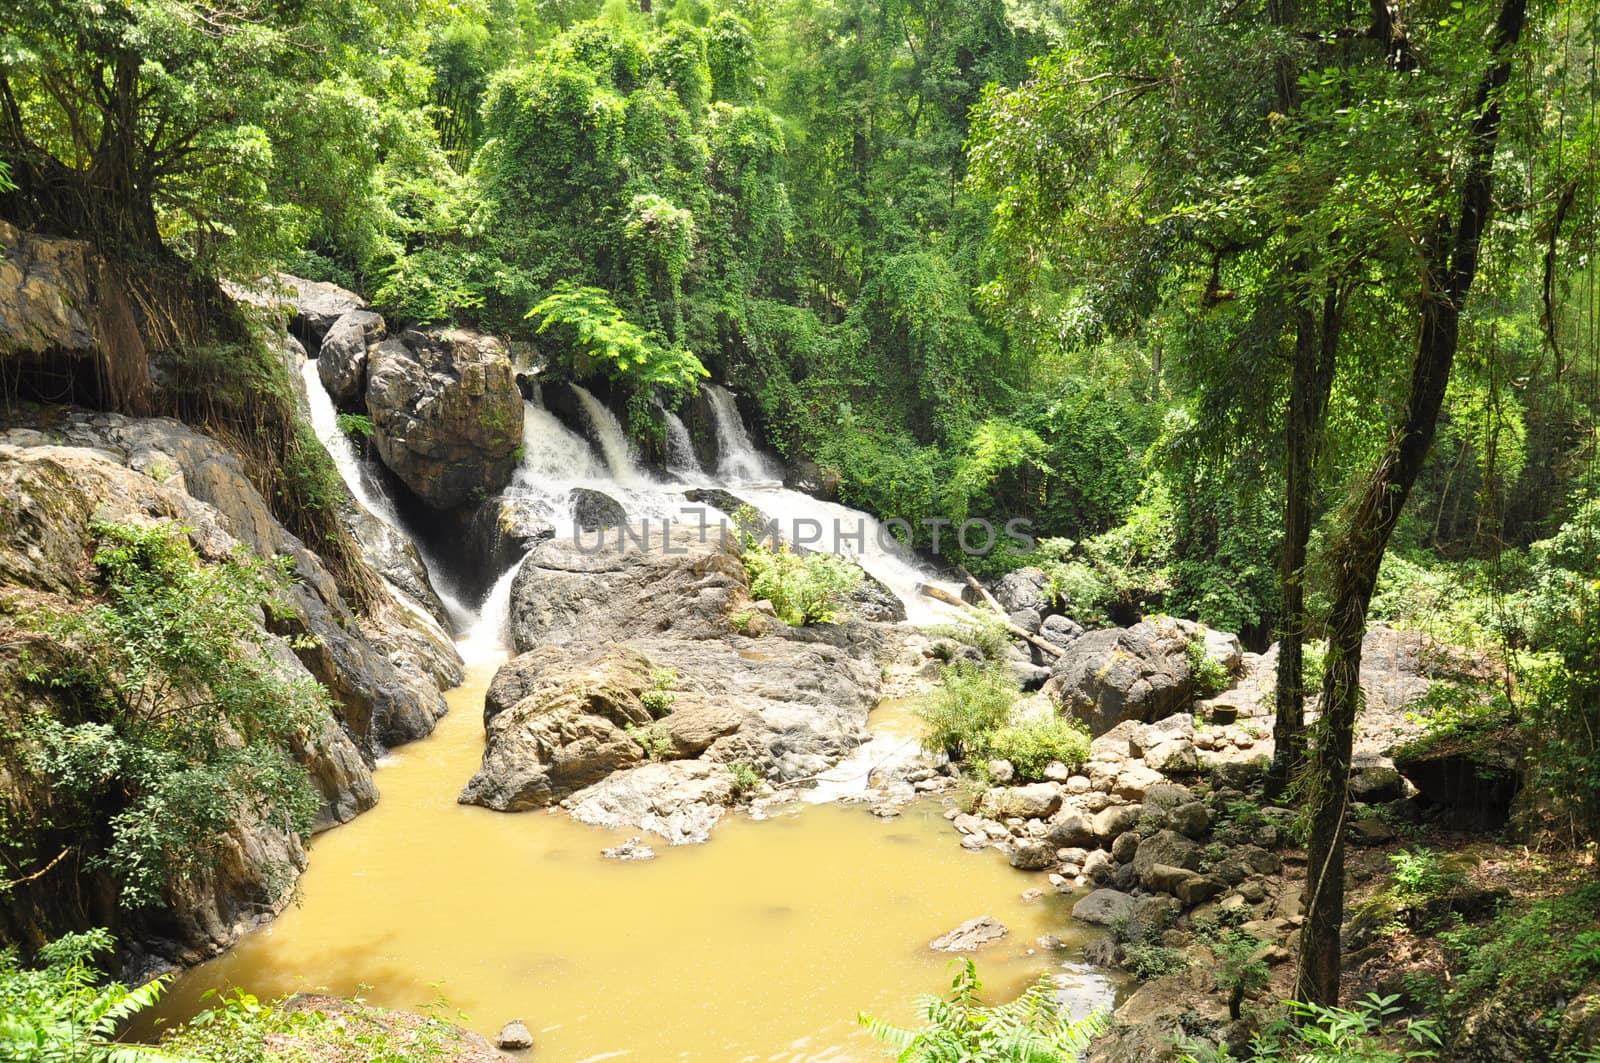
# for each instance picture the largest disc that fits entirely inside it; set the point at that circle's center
(1210, 677)
(1030, 746)
(659, 698)
(603, 340)
(174, 718)
(655, 742)
(61, 1012)
(984, 632)
(809, 589)
(970, 704)
(746, 779)
(1358, 1034)
(1034, 1028)
(1239, 974)
(356, 425)
(1148, 961)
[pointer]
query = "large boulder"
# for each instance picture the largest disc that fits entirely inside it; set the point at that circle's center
(1141, 672)
(446, 413)
(679, 800)
(565, 730)
(342, 359)
(676, 581)
(315, 306)
(595, 510)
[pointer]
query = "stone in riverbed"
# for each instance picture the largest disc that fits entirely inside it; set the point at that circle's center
(632, 849)
(1033, 801)
(971, 935)
(1102, 907)
(514, 1037)
(1033, 856)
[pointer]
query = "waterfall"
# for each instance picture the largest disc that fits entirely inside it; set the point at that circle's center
(325, 423)
(738, 460)
(552, 451)
(613, 441)
(490, 635)
(681, 458)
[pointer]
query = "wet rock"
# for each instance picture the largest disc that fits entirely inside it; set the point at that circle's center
(971, 935)
(342, 358)
(446, 413)
(1103, 907)
(593, 510)
(514, 1037)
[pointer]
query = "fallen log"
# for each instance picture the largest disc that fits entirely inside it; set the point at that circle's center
(942, 595)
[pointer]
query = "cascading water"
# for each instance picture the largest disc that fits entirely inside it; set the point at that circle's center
(681, 459)
(325, 423)
(738, 460)
(613, 440)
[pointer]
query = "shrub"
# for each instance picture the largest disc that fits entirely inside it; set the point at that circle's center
(1210, 677)
(658, 700)
(1033, 1028)
(1031, 746)
(655, 742)
(355, 424)
(971, 703)
(1362, 1033)
(809, 589)
(746, 779)
(173, 717)
(60, 1011)
(984, 632)
(1239, 974)
(1153, 961)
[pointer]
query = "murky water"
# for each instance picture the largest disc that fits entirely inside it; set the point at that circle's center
(761, 945)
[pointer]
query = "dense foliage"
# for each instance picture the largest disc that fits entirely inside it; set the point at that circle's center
(169, 721)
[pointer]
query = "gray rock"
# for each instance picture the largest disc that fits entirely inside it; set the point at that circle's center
(1023, 588)
(970, 936)
(1033, 856)
(514, 1037)
(682, 800)
(342, 358)
(593, 510)
(1000, 771)
(1111, 822)
(1033, 801)
(1167, 847)
(315, 306)
(1138, 673)
(632, 849)
(446, 413)
(1071, 829)
(1103, 907)
(1060, 630)
(1098, 867)
(1191, 820)
(1124, 848)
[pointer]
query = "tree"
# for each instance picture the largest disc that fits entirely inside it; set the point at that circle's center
(1453, 249)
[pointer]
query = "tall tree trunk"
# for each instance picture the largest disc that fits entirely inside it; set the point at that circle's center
(1316, 349)
(1359, 552)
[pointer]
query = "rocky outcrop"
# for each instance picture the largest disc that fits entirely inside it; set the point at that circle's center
(68, 325)
(446, 413)
(639, 730)
(383, 701)
(137, 475)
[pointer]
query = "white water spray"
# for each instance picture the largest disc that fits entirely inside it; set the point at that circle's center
(738, 460)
